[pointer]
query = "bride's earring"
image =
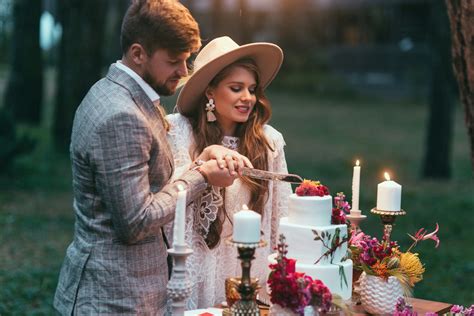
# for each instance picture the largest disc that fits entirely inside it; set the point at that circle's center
(210, 108)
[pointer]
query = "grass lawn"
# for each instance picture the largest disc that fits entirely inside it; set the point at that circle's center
(324, 138)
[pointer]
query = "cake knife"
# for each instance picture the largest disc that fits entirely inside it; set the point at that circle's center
(267, 175)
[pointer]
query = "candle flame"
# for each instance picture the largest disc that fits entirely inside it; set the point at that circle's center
(180, 187)
(387, 176)
(357, 162)
(245, 207)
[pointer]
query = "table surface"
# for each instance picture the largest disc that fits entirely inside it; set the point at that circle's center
(419, 305)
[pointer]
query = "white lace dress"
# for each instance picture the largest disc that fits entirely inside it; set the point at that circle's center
(208, 268)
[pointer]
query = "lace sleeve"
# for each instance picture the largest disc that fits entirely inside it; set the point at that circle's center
(281, 190)
(180, 139)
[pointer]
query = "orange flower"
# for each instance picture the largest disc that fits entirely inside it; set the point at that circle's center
(380, 269)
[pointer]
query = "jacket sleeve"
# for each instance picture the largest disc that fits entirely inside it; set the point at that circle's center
(121, 154)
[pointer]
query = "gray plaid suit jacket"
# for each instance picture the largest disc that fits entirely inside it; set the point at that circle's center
(121, 164)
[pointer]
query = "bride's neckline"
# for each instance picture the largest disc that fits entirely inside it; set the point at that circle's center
(231, 142)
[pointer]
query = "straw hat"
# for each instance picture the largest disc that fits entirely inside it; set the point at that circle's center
(218, 54)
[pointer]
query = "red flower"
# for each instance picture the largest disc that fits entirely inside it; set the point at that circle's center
(311, 188)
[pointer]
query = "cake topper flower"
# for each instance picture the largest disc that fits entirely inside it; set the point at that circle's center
(311, 188)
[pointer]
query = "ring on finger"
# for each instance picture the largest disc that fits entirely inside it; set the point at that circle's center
(229, 156)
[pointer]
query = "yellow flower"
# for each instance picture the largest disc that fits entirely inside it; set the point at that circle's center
(411, 265)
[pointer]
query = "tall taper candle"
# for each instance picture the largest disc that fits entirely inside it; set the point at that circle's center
(355, 187)
(246, 226)
(389, 195)
(180, 218)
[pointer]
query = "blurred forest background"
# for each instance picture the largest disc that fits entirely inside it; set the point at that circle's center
(362, 79)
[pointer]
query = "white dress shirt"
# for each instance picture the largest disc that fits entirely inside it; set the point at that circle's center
(150, 92)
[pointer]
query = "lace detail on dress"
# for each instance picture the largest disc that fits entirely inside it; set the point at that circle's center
(205, 210)
(231, 142)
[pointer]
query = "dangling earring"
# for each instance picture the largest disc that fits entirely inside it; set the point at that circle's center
(210, 107)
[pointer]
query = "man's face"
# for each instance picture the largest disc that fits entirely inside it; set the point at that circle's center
(163, 70)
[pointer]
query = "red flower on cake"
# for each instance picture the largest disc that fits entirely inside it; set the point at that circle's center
(311, 188)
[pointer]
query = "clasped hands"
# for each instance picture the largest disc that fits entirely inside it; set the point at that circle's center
(221, 165)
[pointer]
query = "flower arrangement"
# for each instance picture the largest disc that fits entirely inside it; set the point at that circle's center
(340, 210)
(311, 188)
(384, 258)
(294, 290)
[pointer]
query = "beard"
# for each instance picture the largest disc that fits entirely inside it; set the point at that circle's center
(159, 87)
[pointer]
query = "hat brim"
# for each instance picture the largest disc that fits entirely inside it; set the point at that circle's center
(268, 58)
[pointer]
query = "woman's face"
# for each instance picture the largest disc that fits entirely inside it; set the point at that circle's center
(234, 98)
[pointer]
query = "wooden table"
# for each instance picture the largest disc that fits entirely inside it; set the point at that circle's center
(419, 305)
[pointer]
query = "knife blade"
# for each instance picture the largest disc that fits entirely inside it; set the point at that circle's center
(267, 175)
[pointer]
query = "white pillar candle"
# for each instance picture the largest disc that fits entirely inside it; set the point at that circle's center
(179, 218)
(389, 195)
(355, 188)
(246, 226)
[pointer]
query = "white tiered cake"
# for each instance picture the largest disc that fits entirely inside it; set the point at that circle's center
(318, 247)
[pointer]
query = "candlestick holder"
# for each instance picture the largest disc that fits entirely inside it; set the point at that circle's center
(388, 219)
(246, 305)
(356, 217)
(179, 287)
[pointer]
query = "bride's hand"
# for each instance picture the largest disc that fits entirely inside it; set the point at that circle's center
(226, 158)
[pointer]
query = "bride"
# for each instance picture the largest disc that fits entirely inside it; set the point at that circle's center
(223, 103)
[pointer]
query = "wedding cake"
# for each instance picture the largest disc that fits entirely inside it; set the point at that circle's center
(318, 246)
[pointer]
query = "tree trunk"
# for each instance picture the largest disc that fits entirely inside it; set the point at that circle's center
(461, 15)
(79, 61)
(437, 161)
(24, 93)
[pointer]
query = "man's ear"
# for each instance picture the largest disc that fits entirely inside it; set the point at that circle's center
(137, 54)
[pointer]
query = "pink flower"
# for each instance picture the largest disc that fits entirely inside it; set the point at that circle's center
(457, 309)
(421, 234)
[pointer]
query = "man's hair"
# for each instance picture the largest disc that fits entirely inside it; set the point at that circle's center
(157, 24)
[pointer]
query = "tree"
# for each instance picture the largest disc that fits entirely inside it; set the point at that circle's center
(437, 160)
(462, 30)
(80, 60)
(24, 92)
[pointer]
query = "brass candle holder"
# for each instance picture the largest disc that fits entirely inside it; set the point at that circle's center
(247, 304)
(388, 220)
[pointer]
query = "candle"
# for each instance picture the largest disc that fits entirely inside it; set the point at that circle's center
(355, 189)
(389, 195)
(246, 226)
(179, 218)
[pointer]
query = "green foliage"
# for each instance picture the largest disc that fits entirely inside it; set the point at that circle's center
(13, 145)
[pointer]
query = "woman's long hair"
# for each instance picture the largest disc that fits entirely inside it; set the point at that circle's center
(253, 142)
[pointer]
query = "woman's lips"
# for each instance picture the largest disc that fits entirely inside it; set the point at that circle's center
(243, 108)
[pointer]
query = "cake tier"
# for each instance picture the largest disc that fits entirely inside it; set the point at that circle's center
(310, 210)
(308, 244)
(337, 277)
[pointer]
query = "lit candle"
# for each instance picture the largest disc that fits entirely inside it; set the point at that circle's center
(179, 218)
(246, 226)
(355, 189)
(389, 195)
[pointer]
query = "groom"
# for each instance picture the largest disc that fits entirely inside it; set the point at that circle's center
(122, 165)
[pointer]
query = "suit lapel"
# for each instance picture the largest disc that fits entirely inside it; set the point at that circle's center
(146, 106)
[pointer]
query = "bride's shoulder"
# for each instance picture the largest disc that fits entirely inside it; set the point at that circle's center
(274, 136)
(178, 123)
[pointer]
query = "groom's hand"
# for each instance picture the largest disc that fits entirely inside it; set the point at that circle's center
(216, 176)
(226, 158)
